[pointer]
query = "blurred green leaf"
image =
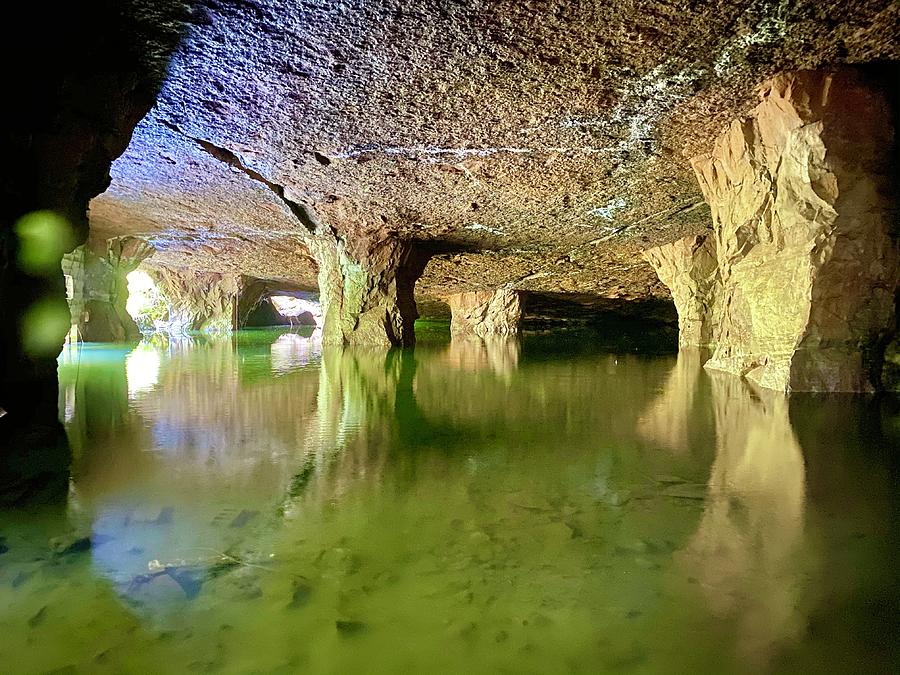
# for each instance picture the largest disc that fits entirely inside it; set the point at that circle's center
(44, 236)
(44, 326)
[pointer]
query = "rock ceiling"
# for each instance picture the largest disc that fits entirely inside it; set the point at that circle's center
(533, 142)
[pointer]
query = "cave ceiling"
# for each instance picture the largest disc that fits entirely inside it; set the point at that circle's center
(535, 143)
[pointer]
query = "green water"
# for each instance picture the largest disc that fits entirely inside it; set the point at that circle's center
(258, 505)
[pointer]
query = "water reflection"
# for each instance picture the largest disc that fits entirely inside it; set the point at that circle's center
(142, 369)
(745, 553)
(291, 351)
(505, 506)
(499, 355)
(669, 419)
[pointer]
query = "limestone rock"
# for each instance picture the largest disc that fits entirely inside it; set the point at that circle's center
(198, 301)
(802, 194)
(486, 313)
(516, 131)
(366, 289)
(99, 288)
(690, 270)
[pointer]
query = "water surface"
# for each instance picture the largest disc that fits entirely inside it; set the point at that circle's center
(257, 504)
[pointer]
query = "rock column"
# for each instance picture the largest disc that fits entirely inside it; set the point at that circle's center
(99, 288)
(199, 301)
(803, 198)
(486, 313)
(366, 289)
(690, 269)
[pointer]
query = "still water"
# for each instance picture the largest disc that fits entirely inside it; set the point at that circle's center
(258, 504)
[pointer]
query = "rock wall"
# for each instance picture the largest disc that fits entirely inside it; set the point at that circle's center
(689, 268)
(366, 289)
(803, 198)
(199, 301)
(70, 112)
(99, 290)
(486, 313)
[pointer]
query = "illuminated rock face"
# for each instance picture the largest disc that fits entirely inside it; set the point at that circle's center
(366, 289)
(100, 289)
(198, 301)
(803, 197)
(486, 313)
(690, 269)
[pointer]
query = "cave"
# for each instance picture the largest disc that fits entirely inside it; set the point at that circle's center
(514, 336)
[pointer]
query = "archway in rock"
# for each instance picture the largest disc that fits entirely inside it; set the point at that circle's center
(146, 303)
(297, 310)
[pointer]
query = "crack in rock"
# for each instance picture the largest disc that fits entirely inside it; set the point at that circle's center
(300, 211)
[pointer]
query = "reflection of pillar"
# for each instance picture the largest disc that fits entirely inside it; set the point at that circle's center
(486, 313)
(499, 355)
(100, 288)
(669, 418)
(366, 408)
(744, 552)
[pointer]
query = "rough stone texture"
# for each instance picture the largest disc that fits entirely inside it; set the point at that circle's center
(544, 140)
(100, 289)
(79, 76)
(198, 301)
(803, 200)
(366, 289)
(689, 268)
(486, 313)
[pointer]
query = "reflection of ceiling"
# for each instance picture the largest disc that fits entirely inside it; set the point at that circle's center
(546, 138)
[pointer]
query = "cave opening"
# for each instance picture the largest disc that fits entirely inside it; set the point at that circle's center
(146, 303)
(278, 308)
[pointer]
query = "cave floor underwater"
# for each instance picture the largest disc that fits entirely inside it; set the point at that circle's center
(260, 503)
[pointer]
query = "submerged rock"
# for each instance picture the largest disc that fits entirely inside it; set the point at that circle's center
(70, 543)
(348, 628)
(301, 595)
(243, 518)
(38, 617)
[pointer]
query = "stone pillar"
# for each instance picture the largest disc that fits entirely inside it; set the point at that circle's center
(690, 270)
(199, 301)
(100, 288)
(366, 289)
(486, 313)
(251, 293)
(803, 197)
